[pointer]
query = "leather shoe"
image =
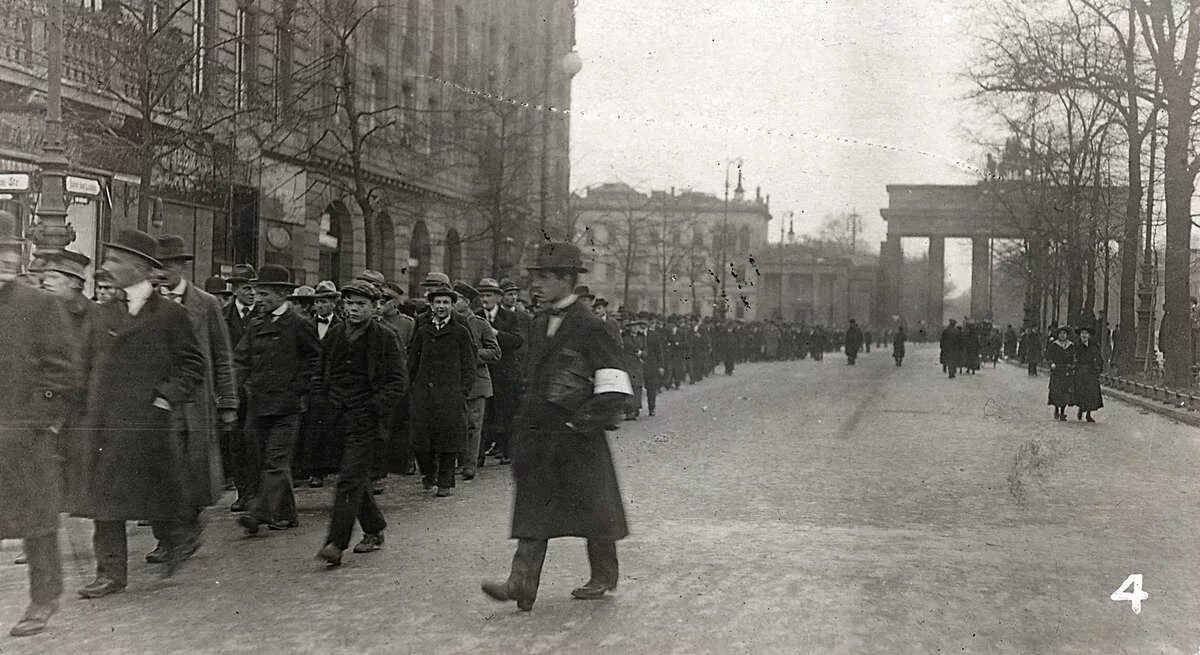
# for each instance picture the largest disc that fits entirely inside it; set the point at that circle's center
(249, 523)
(238, 505)
(35, 619)
(21, 559)
(283, 525)
(504, 592)
(370, 543)
(592, 590)
(159, 555)
(101, 587)
(330, 554)
(442, 492)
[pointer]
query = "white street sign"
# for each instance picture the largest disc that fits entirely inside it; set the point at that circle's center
(14, 182)
(83, 186)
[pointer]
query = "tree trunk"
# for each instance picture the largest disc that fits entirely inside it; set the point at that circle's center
(1178, 185)
(1130, 245)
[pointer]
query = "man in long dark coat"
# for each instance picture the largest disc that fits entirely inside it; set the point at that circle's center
(853, 342)
(39, 375)
(216, 397)
(507, 384)
(236, 454)
(566, 485)
(441, 366)
(951, 345)
(144, 364)
(318, 452)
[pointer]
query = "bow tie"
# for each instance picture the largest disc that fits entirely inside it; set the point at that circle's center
(323, 320)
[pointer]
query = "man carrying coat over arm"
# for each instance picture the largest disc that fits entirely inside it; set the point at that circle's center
(566, 485)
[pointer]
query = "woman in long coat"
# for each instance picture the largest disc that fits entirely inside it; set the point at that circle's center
(1061, 356)
(898, 345)
(1089, 363)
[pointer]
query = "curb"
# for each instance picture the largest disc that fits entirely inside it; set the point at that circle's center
(1161, 407)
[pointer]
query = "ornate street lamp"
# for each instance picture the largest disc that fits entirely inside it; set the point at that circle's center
(52, 232)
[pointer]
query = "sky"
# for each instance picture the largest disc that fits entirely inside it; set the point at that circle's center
(826, 103)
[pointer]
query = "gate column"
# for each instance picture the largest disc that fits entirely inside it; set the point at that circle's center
(935, 289)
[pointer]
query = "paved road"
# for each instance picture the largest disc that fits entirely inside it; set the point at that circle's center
(802, 507)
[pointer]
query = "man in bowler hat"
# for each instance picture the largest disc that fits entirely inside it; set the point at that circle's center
(39, 374)
(566, 485)
(362, 376)
(144, 365)
(276, 361)
(214, 401)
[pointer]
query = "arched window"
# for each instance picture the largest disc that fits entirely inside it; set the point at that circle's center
(333, 248)
(744, 238)
(452, 257)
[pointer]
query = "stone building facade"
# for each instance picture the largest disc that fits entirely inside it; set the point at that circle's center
(446, 118)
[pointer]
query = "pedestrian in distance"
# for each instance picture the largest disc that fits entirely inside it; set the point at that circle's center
(362, 377)
(144, 364)
(951, 348)
(853, 342)
(899, 339)
(566, 484)
(1089, 364)
(1061, 356)
(39, 375)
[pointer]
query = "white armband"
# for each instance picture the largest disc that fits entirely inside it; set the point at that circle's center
(608, 380)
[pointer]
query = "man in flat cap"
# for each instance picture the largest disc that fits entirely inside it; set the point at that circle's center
(276, 360)
(487, 351)
(39, 374)
(362, 376)
(566, 484)
(397, 457)
(441, 366)
(144, 365)
(214, 400)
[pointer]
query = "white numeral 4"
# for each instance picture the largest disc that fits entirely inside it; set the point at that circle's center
(1131, 590)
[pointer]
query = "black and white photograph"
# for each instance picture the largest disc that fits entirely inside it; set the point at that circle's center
(599, 326)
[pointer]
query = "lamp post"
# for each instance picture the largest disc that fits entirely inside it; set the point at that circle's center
(781, 272)
(725, 233)
(52, 232)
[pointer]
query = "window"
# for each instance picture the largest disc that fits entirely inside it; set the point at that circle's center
(408, 113)
(437, 54)
(462, 45)
(241, 18)
(412, 20)
(435, 124)
(377, 98)
(283, 57)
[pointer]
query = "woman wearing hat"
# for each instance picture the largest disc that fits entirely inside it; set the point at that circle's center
(1060, 353)
(1089, 363)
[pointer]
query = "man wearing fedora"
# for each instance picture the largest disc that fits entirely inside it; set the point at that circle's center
(506, 373)
(39, 375)
(611, 325)
(566, 485)
(362, 376)
(441, 366)
(144, 365)
(218, 287)
(276, 361)
(487, 351)
(214, 401)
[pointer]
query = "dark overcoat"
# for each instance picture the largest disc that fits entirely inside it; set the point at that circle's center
(81, 313)
(952, 346)
(1089, 363)
(39, 374)
(1060, 355)
(854, 340)
(386, 373)
(441, 366)
(506, 373)
(135, 465)
(898, 345)
(566, 485)
(197, 424)
(277, 360)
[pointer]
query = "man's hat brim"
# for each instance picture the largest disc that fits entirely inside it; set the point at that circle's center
(139, 253)
(441, 291)
(181, 257)
(558, 269)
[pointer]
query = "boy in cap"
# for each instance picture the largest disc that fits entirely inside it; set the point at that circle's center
(39, 371)
(362, 376)
(487, 351)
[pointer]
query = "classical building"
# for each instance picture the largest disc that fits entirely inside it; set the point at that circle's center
(663, 252)
(324, 136)
(819, 285)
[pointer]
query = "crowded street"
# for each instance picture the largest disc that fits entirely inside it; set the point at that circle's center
(795, 506)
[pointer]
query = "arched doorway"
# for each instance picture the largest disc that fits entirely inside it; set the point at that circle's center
(452, 257)
(334, 242)
(384, 257)
(419, 255)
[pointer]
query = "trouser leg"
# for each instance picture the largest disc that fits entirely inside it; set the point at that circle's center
(527, 563)
(353, 498)
(427, 465)
(186, 529)
(602, 558)
(45, 568)
(445, 469)
(276, 501)
(475, 408)
(112, 551)
(249, 466)
(651, 393)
